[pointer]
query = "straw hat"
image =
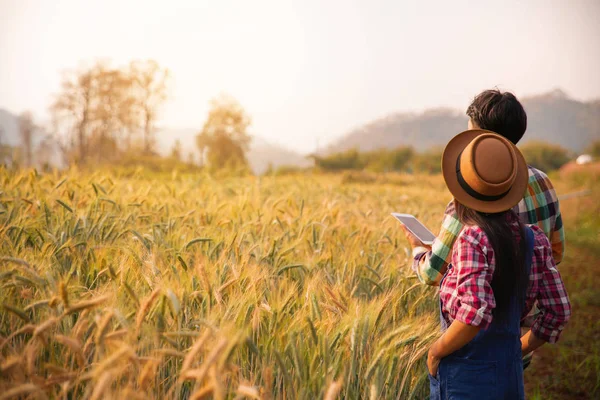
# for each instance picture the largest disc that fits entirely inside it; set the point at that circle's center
(484, 171)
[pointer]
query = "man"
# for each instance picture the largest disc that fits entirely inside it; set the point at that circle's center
(502, 113)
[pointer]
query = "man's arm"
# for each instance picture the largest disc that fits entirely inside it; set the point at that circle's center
(530, 342)
(431, 265)
(553, 302)
(557, 239)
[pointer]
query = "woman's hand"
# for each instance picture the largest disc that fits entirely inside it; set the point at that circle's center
(455, 337)
(413, 240)
(433, 362)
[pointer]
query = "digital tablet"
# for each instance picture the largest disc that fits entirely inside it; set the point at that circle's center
(416, 228)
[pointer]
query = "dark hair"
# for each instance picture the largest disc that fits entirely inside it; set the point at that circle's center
(510, 279)
(499, 112)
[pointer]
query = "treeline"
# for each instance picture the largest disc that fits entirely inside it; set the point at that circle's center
(545, 156)
(107, 115)
(401, 159)
(102, 111)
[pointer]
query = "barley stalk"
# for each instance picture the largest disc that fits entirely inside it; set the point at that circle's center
(22, 390)
(85, 305)
(333, 390)
(145, 308)
(194, 350)
(199, 373)
(103, 384)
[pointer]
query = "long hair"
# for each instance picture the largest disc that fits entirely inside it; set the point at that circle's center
(510, 278)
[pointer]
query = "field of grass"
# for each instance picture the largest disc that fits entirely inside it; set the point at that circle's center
(189, 286)
(571, 369)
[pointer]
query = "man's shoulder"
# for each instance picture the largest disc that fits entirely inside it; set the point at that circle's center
(534, 172)
(537, 175)
(540, 179)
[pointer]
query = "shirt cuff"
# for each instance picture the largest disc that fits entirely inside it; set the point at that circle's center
(546, 330)
(418, 251)
(469, 315)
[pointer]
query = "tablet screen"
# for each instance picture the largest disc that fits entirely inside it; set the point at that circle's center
(416, 227)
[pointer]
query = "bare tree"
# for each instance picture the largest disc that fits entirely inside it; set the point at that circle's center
(150, 91)
(26, 129)
(5, 150)
(98, 107)
(113, 111)
(176, 151)
(72, 108)
(191, 158)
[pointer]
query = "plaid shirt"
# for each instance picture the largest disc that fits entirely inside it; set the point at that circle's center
(466, 294)
(538, 207)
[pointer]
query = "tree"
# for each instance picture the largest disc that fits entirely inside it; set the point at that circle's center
(113, 111)
(176, 150)
(382, 160)
(5, 150)
(191, 158)
(545, 156)
(150, 91)
(385, 160)
(344, 160)
(26, 129)
(100, 105)
(72, 108)
(223, 141)
(429, 162)
(594, 149)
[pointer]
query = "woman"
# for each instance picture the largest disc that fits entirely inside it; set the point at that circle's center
(500, 268)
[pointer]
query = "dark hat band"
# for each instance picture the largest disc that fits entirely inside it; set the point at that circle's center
(470, 191)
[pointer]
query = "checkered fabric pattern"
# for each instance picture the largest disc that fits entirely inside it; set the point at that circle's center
(466, 294)
(538, 207)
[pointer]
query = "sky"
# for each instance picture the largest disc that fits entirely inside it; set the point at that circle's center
(307, 71)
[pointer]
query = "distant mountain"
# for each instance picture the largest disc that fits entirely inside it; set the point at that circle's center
(420, 130)
(46, 151)
(9, 129)
(552, 117)
(263, 154)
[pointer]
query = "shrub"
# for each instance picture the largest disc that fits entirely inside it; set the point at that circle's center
(349, 159)
(545, 156)
(429, 162)
(594, 150)
(385, 160)
(382, 160)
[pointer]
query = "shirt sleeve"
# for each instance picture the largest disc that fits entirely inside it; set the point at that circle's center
(553, 302)
(475, 297)
(557, 232)
(558, 237)
(432, 265)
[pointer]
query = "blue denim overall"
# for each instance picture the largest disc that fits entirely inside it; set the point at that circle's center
(490, 366)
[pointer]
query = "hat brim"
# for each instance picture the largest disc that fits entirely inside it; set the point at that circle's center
(451, 153)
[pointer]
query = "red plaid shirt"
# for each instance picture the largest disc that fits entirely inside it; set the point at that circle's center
(466, 293)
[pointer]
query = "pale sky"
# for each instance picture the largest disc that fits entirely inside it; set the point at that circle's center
(305, 70)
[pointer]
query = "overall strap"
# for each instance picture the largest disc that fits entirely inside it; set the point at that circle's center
(529, 242)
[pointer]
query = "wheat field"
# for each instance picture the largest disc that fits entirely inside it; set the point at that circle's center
(189, 286)
(193, 287)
